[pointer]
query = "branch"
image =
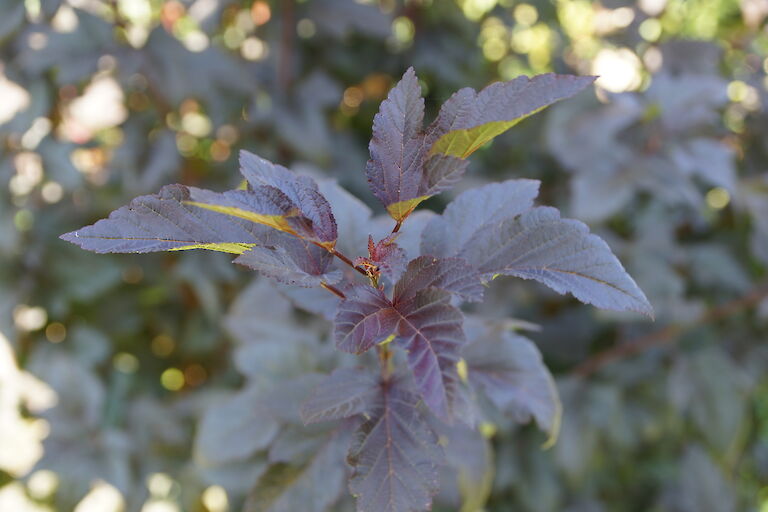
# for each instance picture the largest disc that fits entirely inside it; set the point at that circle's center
(333, 290)
(346, 260)
(287, 34)
(670, 333)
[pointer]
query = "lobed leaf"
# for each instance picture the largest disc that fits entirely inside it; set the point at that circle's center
(408, 165)
(430, 330)
(268, 205)
(363, 319)
(302, 191)
(469, 459)
(495, 229)
(561, 253)
(235, 429)
(395, 455)
(291, 260)
(345, 393)
(397, 148)
(470, 119)
(476, 209)
(166, 222)
(509, 370)
(311, 487)
(453, 275)
(442, 172)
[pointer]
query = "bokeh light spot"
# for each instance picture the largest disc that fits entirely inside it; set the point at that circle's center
(29, 318)
(163, 345)
(215, 499)
(718, 198)
(172, 379)
(125, 362)
(56, 332)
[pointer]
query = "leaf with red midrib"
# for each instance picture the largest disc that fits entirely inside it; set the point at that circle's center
(453, 275)
(430, 330)
(395, 455)
(363, 319)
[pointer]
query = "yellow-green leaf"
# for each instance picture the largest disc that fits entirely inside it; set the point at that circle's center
(403, 209)
(274, 221)
(231, 248)
(462, 143)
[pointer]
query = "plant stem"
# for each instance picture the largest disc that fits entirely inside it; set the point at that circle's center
(385, 361)
(668, 334)
(333, 290)
(347, 261)
(287, 34)
(397, 226)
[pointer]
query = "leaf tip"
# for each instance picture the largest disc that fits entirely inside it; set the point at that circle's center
(554, 430)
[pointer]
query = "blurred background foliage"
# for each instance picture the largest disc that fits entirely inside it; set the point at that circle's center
(141, 383)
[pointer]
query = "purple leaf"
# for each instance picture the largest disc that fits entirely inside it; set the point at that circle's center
(364, 318)
(430, 330)
(395, 455)
(408, 165)
(235, 428)
(258, 171)
(166, 222)
(303, 192)
(561, 253)
(290, 260)
(268, 205)
(469, 462)
(310, 487)
(454, 275)
(345, 393)
(397, 148)
(475, 209)
(441, 172)
(509, 370)
(470, 119)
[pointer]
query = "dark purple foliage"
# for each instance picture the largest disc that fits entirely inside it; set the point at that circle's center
(432, 366)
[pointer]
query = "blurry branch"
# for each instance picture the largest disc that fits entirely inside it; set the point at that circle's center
(288, 32)
(669, 334)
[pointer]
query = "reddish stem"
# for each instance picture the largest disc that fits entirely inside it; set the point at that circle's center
(347, 261)
(668, 334)
(333, 290)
